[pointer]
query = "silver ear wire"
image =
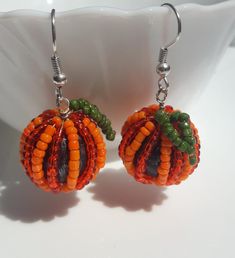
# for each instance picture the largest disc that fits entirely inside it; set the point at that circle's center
(163, 68)
(59, 78)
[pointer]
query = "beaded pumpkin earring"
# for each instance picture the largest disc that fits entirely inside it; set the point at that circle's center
(160, 145)
(63, 149)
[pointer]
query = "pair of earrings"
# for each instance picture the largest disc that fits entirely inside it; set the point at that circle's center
(63, 149)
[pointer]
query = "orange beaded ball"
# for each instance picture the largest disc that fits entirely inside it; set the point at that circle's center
(159, 146)
(64, 154)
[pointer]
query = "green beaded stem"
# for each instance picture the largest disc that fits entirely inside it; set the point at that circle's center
(92, 110)
(184, 142)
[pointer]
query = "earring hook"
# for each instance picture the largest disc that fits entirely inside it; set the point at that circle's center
(53, 30)
(178, 22)
(163, 68)
(59, 78)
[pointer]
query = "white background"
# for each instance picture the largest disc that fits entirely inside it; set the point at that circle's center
(117, 217)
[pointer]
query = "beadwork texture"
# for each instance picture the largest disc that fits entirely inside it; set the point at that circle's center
(62, 155)
(159, 147)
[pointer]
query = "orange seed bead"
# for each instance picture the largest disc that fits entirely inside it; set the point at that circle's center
(71, 130)
(37, 168)
(135, 145)
(50, 130)
(74, 155)
(141, 114)
(38, 153)
(45, 138)
(165, 157)
(165, 150)
(95, 132)
(42, 145)
(38, 175)
(150, 126)
(72, 137)
(73, 165)
(101, 152)
(145, 131)
(36, 160)
(74, 174)
(31, 126)
(37, 121)
(73, 145)
(100, 145)
(68, 123)
(165, 165)
(57, 121)
(100, 159)
(140, 137)
(86, 121)
(91, 126)
(162, 171)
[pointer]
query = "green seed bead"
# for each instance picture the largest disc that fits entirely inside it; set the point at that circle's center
(95, 107)
(86, 109)
(184, 125)
(177, 141)
(87, 102)
(98, 117)
(111, 136)
(93, 113)
(166, 125)
(102, 121)
(159, 114)
(183, 146)
(106, 129)
(165, 119)
(190, 139)
(190, 149)
(109, 130)
(81, 102)
(173, 135)
(168, 129)
(192, 160)
(74, 104)
(183, 117)
(187, 132)
(107, 123)
(174, 116)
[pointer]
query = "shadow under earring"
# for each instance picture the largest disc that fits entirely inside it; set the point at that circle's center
(63, 149)
(160, 145)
